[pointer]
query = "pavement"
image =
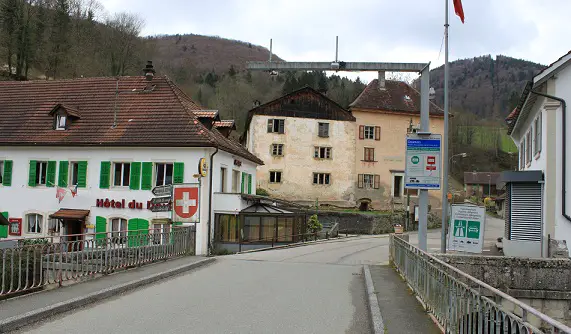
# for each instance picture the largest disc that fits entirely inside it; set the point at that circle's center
(318, 288)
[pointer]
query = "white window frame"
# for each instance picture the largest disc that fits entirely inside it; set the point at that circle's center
(223, 178)
(371, 184)
(72, 165)
(370, 132)
(57, 228)
(61, 122)
(393, 175)
(323, 179)
(276, 125)
(118, 235)
(38, 226)
(528, 147)
(236, 179)
(161, 234)
(537, 136)
(278, 150)
(122, 174)
(41, 168)
(276, 172)
(156, 171)
(326, 150)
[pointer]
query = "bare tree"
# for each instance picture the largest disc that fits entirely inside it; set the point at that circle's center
(122, 40)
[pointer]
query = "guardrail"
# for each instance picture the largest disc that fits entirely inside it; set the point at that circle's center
(31, 263)
(461, 303)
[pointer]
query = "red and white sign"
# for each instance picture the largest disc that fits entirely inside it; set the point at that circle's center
(185, 203)
(15, 226)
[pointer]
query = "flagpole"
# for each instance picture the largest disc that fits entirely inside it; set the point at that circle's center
(445, 137)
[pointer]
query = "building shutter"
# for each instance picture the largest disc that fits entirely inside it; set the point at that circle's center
(147, 176)
(281, 126)
(51, 174)
(377, 181)
(250, 184)
(377, 133)
(104, 174)
(4, 228)
(132, 232)
(135, 177)
(82, 174)
(62, 177)
(243, 182)
(525, 212)
(178, 173)
(100, 228)
(361, 132)
(32, 174)
(7, 177)
(507, 212)
(270, 125)
(361, 180)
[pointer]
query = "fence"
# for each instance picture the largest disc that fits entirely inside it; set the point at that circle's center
(461, 303)
(29, 264)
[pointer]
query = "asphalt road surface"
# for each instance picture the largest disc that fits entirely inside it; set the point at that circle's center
(311, 289)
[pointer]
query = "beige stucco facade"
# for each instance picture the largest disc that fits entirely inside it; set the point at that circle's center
(298, 164)
(389, 154)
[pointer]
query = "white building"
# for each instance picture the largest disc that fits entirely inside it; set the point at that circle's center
(116, 139)
(539, 127)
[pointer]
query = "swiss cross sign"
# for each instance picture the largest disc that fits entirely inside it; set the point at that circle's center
(185, 203)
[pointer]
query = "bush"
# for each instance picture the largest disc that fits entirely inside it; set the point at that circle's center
(313, 225)
(262, 192)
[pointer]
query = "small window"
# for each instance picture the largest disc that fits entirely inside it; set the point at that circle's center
(322, 152)
(407, 98)
(163, 174)
(223, 180)
(275, 177)
(41, 172)
(321, 178)
(276, 126)
(73, 172)
(61, 122)
(121, 174)
(34, 222)
(235, 181)
(537, 139)
(53, 226)
(368, 181)
(528, 147)
(119, 230)
(369, 132)
(323, 130)
(369, 154)
(397, 185)
(277, 150)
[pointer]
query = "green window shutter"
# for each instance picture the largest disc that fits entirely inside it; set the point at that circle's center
(250, 184)
(7, 177)
(4, 228)
(63, 170)
(105, 174)
(143, 225)
(82, 174)
(132, 233)
(135, 182)
(100, 227)
(32, 174)
(178, 173)
(147, 176)
(51, 174)
(242, 188)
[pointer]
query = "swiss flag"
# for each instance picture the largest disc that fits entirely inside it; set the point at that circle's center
(185, 202)
(458, 9)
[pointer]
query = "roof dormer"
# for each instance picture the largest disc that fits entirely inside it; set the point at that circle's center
(63, 115)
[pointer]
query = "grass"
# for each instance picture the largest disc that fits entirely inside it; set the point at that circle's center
(485, 137)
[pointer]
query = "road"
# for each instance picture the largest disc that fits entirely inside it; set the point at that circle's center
(311, 289)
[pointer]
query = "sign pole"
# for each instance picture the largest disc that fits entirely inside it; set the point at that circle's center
(424, 128)
(445, 138)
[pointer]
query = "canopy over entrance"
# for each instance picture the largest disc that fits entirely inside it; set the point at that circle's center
(70, 214)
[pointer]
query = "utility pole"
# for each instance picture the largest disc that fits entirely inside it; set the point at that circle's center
(424, 129)
(445, 138)
(407, 222)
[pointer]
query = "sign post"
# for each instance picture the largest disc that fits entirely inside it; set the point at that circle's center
(466, 232)
(162, 190)
(185, 202)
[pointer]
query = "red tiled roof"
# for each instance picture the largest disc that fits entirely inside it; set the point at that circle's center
(225, 124)
(512, 114)
(70, 110)
(398, 97)
(159, 117)
(205, 113)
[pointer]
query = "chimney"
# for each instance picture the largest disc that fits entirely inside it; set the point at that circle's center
(149, 72)
(382, 80)
(256, 103)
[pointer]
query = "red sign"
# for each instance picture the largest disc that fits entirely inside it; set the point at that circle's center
(185, 201)
(15, 226)
(431, 160)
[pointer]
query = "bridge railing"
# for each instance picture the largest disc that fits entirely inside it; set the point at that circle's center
(461, 303)
(31, 263)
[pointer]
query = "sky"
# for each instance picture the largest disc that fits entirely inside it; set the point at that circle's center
(368, 30)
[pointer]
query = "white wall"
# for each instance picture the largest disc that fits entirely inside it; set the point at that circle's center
(20, 199)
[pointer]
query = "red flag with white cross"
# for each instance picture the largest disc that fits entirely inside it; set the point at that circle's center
(185, 203)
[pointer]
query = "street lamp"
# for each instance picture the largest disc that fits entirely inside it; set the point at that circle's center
(445, 212)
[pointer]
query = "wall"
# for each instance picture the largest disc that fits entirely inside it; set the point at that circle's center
(20, 199)
(298, 164)
(389, 156)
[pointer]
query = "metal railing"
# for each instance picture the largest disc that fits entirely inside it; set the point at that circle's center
(461, 303)
(31, 263)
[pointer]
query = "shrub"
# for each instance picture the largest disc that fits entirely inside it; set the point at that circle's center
(262, 192)
(313, 225)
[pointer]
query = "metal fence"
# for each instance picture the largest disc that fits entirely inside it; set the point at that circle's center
(31, 263)
(461, 303)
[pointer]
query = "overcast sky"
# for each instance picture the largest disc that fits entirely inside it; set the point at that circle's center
(368, 30)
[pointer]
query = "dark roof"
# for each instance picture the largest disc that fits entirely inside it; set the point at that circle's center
(397, 97)
(511, 120)
(480, 177)
(70, 214)
(161, 117)
(71, 111)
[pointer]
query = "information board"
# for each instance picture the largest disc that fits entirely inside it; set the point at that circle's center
(466, 232)
(422, 170)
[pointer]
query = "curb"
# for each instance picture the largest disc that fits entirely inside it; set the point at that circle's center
(28, 318)
(373, 303)
(299, 244)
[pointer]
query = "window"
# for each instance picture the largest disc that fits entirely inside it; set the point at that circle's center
(119, 230)
(161, 234)
(323, 130)
(74, 172)
(397, 185)
(277, 150)
(369, 181)
(369, 154)
(53, 225)
(235, 181)
(121, 174)
(251, 228)
(61, 122)
(285, 229)
(163, 174)
(522, 155)
(276, 125)
(41, 172)
(222, 180)
(369, 132)
(35, 222)
(322, 152)
(227, 228)
(528, 147)
(537, 139)
(321, 178)
(275, 177)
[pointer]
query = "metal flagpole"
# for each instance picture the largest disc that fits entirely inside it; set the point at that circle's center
(445, 137)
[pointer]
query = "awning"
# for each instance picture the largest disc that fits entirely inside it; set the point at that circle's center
(528, 176)
(70, 214)
(265, 209)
